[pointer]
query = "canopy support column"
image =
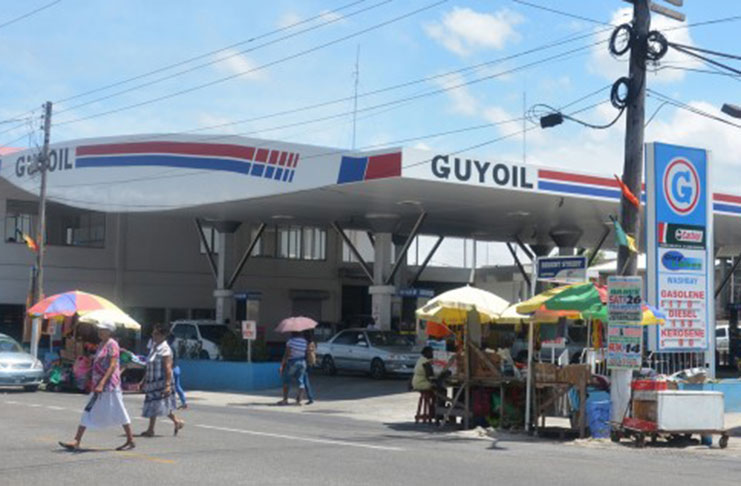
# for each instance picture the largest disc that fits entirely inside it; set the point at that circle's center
(246, 255)
(518, 263)
(728, 276)
(403, 254)
(209, 251)
(524, 248)
(426, 260)
(354, 250)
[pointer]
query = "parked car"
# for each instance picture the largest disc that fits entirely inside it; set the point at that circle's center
(198, 338)
(375, 352)
(17, 367)
(722, 338)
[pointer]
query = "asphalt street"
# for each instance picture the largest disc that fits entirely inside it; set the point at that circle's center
(240, 445)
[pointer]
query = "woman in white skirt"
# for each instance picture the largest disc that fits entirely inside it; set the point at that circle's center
(105, 407)
(159, 396)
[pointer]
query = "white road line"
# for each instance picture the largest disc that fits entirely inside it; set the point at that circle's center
(11, 402)
(35, 405)
(54, 407)
(305, 439)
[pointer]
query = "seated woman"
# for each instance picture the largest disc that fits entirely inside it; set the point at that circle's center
(424, 376)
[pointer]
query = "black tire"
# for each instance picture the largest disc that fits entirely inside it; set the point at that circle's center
(723, 442)
(31, 388)
(328, 366)
(377, 369)
(204, 354)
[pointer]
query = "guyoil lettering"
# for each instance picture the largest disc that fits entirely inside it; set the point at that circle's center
(58, 161)
(465, 170)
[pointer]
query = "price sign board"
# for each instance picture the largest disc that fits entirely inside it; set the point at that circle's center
(624, 346)
(624, 300)
(249, 330)
(624, 313)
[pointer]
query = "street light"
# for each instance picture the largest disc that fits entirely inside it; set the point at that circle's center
(731, 110)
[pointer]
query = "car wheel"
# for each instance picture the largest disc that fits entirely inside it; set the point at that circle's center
(31, 388)
(328, 366)
(377, 370)
(204, 354)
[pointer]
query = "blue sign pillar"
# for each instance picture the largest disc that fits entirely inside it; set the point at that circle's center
(679, 230)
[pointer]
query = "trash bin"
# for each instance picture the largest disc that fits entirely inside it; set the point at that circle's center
(598, 418)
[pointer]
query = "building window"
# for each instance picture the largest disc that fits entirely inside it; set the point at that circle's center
(212, 239)
(362, 243)
(302, 243)
(65, 226)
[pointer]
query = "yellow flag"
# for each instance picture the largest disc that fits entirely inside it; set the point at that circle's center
(632, 244)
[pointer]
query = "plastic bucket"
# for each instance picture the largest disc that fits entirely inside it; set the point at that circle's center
(598, 418)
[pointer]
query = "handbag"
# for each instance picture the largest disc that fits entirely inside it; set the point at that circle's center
(311, 354)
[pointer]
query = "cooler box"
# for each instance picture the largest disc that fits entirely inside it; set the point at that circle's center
(686, 411)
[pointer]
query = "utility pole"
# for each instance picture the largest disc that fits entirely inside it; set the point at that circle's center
(634, 124)
(630, 220)
(42, 165)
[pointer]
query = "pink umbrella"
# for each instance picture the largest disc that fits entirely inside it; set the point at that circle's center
(296, 324)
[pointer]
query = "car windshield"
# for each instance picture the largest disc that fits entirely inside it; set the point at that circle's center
(8, 345)
(387, 338)
(213, 332)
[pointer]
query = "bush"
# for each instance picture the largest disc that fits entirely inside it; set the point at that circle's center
(234, 348)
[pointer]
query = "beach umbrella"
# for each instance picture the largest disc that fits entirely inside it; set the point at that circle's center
(117, 317)
(577, 297)
(651, 315)
(296, 324)
(534, 303)
(70, 303)
(453, 306)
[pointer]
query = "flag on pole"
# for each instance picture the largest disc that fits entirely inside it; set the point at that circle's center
(30, 243)
(624, 239)
(627, 194)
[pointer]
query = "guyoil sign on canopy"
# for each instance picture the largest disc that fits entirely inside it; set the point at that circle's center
(679, 229)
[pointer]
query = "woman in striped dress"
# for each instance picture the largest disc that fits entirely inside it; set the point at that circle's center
(159, 399)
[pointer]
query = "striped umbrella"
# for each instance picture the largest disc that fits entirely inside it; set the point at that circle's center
(71, 303)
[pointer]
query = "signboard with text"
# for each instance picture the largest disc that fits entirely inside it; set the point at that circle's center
(249, 330)
(567, 269)
(624, 346)
(624, 300)
(679, 224)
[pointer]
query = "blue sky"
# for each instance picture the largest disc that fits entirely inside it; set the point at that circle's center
(77, 46)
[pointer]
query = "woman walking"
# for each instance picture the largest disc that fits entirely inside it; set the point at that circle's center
(105, 407)
(159, 399)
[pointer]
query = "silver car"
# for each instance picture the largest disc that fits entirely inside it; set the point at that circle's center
(17, 367)
(370, 351)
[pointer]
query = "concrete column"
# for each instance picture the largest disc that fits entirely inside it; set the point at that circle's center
(224, 264)
(120, 258)
(381, 294)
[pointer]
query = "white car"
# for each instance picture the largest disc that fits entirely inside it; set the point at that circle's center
(196, 339)
(722, 338)
(371, 351)
(17, 367)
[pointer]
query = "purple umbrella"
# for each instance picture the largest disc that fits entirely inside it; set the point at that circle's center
(296, 324)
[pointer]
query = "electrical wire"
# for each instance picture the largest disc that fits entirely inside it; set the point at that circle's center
(210, 53)
(690, 108)
(28, 14)
(561, 12)
(706, 51)
(258, 68)
(704, 59)
(331, 20)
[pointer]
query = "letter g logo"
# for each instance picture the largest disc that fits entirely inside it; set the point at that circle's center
(681, 186)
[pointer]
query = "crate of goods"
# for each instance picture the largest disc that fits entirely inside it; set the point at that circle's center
(479, 368)
(546, 372)
(647, 389)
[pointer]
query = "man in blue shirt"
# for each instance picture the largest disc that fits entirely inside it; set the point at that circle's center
(293, 366)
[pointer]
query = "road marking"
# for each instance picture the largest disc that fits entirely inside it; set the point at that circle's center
(54, 407)
(11, 402)
(34, 405)
(305, 439)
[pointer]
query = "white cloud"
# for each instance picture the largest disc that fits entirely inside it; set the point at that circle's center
(464, 102)
(288, 19)
(602, 63)
(463, 30)
(232, 62)
(329, 16)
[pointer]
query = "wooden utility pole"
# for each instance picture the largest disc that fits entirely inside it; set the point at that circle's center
(634, 124)
(42, 165)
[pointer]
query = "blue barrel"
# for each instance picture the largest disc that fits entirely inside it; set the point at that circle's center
(598, 418)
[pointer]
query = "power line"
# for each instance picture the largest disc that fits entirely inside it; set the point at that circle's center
(561, 12)
(706, 51)
(690, 108)
(210, 53)
(331, 20)
(704, 59)
(28, 14)
(258, 68)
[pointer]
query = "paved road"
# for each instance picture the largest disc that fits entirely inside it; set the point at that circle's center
(238, 445)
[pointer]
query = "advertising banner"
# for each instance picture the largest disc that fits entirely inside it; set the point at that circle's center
(624, 314)
(624, 346)
(679, 229)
